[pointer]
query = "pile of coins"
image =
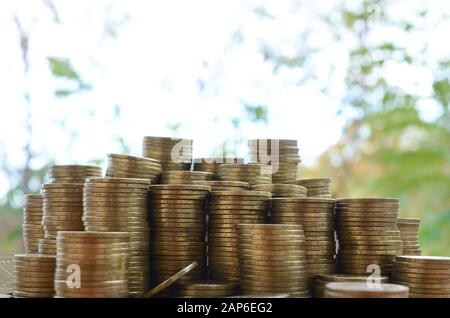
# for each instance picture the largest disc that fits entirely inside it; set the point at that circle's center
(174, 154)
(364, 290)
(177, 219)
(101, 260)
(73, 173)
(224, 185)
(47, 245)
(322, 280)
(317, 188)
(272, 259)
(125, 166)
(316, 216)
(32, 230)
(426, 276)
(185, 177)
(227, 209)
(34, 275)
(409, 232)
(282, 190)
(367, 234)
(121, 205)
(204, 289)
(251, 173)
(282, 154)
(211, 164)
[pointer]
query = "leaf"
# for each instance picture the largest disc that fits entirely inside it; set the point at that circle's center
(61, 67)
(442, 91)
(257, 113)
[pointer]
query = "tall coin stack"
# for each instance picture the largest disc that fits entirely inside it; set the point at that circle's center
(367, 234)
(211, 164)
(34, 275)
(32, 230)
(282, 190)
(102, 260)
(251, 173)
(409, 232)
(174, 154)
(185, 177)
(317, 188)
(177, 218)
(363, 290)
(322, 280)
(73, 173)
(204, 289)
(316, 216)
(426, 276)
(224, 185)
(121, 205)
(226, 210)
(284, 151)
(272, 259)
(125, 166)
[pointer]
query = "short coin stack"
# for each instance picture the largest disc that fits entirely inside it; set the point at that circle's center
(177, 219)
(317, 188)
(125, 166)
(282, 190)
(364, 290)
(185, 177)
(279, 153)
(224, 185)
(73, 173)
(211, 164)
(174, 154)
(102, 259)
(121, 205)
(426, 276)
(409, 229)
(251, 173)
(226, 210)
(32, 230)
(367, 234)
(272, 259)
(34, 275)
(322, 280)
(204, 289)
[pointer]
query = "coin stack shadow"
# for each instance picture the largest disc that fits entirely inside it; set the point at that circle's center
(204, 289)
(224, 185)
(121, 205)
(367, 234)
(177, 219)
(174, 154)
(34, 275)
(364, 290)
(32, 230)
(101, 259)
(252, 173)
(322, 280)
(125, 166)
(316, 215)
(426, 276)
(281, 154)
(317, 188)
(212, 164)
(409, 232)
(185, 177)
(272, 259)
(73, 173)
(226, 209)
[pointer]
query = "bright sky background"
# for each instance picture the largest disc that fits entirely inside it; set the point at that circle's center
(151, 70)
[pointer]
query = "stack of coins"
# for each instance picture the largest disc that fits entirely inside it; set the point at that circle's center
(34, 275)
(317, 188)
(426, 276)
(226, 209)
(174, 154)
(409, 232)
(282, 154)
(47, 245)
(177, 219)
(204, 289)
(272, 259)
(32, 230)
(101, 260)
(364, 290)
(224, 185)
(282, 190)
(251, 173)
(211, 164)
(367, 234)
(322, 280)
(185, 177)
(124, 166)
(73, 173)
(316, 216)
(121, 205)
